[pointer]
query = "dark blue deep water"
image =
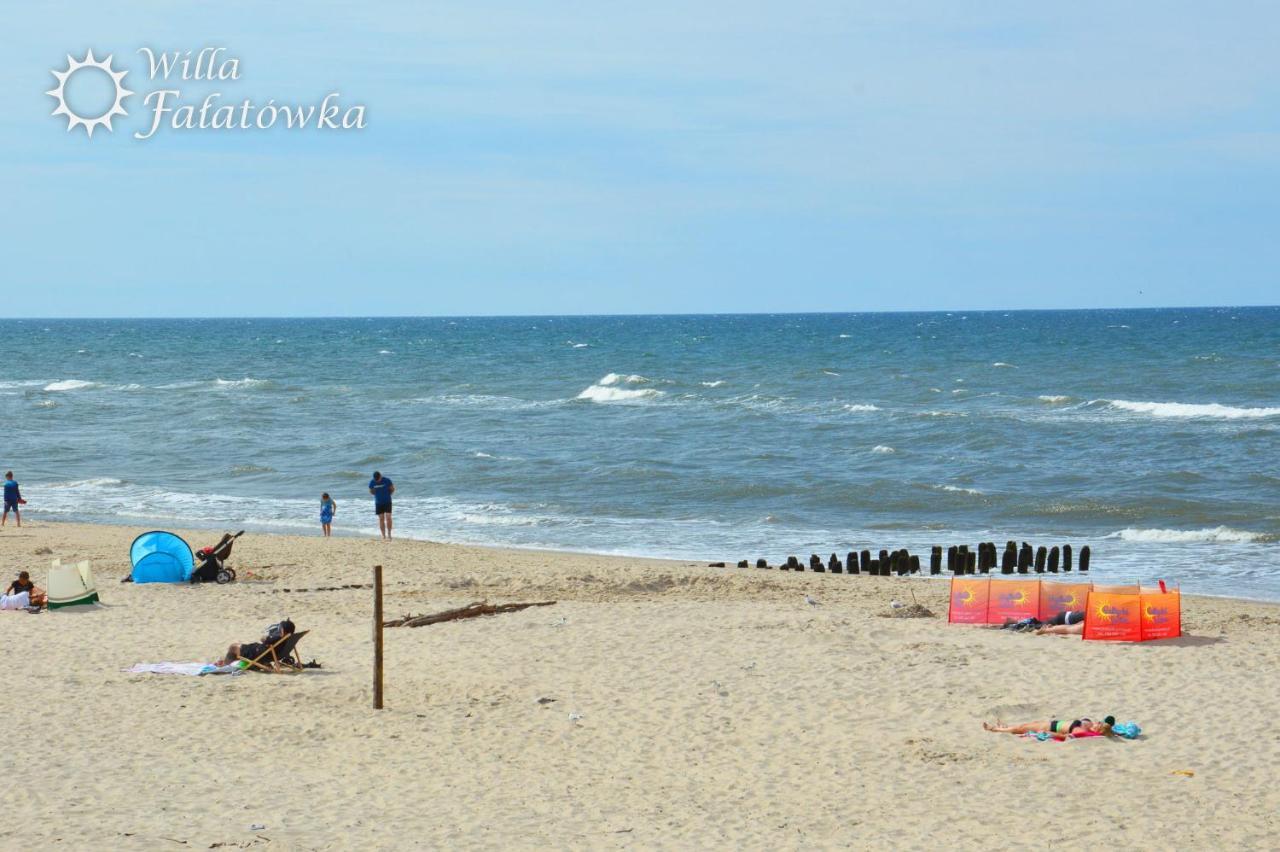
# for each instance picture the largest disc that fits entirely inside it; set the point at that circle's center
(1151, 435)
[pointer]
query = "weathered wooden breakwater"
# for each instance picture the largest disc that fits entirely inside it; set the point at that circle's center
(957, 559)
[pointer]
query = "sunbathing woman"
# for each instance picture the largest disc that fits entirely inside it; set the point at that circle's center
(254, 650)
(1059, 729)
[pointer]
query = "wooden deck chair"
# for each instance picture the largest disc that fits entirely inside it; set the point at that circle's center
(273, 659)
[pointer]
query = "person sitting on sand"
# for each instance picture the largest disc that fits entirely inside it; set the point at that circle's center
(23, 592)
(254, 650)
(1059, 729)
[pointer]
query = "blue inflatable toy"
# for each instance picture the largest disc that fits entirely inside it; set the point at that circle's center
(161, 557)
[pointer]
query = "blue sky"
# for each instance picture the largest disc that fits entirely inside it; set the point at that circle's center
(555, 157)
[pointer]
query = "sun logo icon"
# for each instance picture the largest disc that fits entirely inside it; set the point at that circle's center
(60, 93)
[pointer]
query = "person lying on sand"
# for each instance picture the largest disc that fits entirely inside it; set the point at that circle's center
(254, 650)
(1064, 623)
(1069, 628)
(1059, 729)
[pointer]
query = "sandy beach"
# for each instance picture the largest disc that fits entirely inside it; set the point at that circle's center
(717, 709)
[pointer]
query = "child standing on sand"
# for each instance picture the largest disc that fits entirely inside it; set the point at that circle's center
(328, 509)
(12, 499)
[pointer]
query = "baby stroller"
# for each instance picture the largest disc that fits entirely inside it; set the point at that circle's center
(211, 567)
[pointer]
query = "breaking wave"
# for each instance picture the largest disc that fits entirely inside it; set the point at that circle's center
(1213, 534)
(619, 379)
(69, 385)
(608, 390)
(1183, 409)
(602, 393)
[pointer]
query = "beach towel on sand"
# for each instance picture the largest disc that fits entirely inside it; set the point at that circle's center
(194, 669)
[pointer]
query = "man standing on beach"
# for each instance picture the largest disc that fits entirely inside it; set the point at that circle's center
(382, 488)
(12, 498)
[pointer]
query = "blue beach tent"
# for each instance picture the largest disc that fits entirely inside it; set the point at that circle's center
(161, 557)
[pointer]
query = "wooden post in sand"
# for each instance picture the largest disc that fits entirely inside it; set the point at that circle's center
(377, 637)
(1010, 558)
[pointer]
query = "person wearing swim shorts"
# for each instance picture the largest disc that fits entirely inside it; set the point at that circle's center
(1059, 729)
(12, 499)
(381, 487)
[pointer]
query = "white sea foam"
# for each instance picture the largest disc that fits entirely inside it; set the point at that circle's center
(881, 448)
(1211, 534)
(861, 407)
(1053, 398)
(240, 383)
(101, 482)
(845, 336)
(46, 403)
(385, 352)
(830, 372)
(1002, 364)
(603, 393)
(607, 390)
(957, 489)
(1183, 409)
(617, 378)
(717, 383)
(482, 400)
(68, 385)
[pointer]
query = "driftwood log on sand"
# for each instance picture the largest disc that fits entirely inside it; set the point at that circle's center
(472, 610)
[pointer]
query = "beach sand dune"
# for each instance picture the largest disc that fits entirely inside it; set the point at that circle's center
(690, 706)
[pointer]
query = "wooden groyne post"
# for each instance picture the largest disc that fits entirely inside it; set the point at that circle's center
(377, 637)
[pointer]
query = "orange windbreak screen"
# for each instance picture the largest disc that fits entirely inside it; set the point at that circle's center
(968, 601)
(1061, 597)
(1013, 599)
(1161, 615)
(1113, 617)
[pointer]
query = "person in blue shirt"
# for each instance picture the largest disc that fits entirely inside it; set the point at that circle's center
(382, 488)
(328, 508)
(12, 499)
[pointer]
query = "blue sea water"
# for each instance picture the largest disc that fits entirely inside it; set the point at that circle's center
(1150, 435)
